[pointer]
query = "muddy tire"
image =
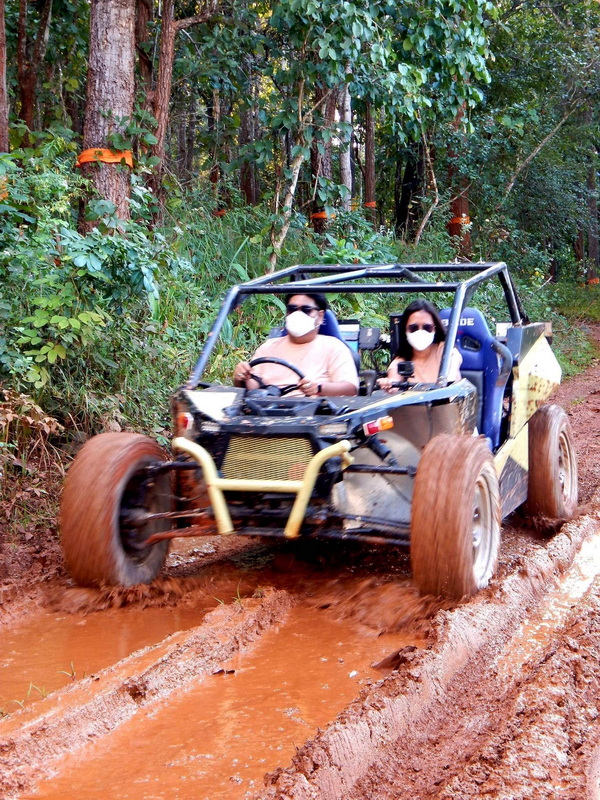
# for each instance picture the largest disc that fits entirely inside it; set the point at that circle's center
(455, 521)
(552, 489)
(104, 489)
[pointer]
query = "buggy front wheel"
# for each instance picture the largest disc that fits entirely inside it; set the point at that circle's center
(455, 521)
(107, 493)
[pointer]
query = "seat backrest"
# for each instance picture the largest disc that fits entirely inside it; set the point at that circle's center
(487, 364)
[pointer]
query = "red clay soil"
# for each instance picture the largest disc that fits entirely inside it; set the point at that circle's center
(445, 721)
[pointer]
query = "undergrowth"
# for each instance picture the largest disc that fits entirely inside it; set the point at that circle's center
(98, 330)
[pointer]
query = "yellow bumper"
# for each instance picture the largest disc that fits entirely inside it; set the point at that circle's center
(303, 489)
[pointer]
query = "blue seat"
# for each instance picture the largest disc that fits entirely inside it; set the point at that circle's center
(487, 363)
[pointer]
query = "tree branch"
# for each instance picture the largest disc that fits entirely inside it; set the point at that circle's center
(524, 164)
(197, 19)
(436, 193)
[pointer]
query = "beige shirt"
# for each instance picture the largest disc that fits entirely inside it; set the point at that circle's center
(427, 371)
(323, 360)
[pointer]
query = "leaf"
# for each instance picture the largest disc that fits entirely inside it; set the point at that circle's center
(94, 262)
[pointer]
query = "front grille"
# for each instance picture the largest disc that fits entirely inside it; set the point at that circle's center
(261, 458)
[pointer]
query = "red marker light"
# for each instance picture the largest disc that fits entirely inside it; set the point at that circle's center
(185, 421)
(379, 424)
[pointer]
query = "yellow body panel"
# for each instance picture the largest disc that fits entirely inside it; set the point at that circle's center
(534, 379)
(517, 449)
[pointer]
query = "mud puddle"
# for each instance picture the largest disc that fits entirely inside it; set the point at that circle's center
(540, 629)
(53, 650)
(219, 739)
(87, 630)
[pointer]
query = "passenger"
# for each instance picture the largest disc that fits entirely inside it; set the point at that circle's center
(326, 362)
(421, 340)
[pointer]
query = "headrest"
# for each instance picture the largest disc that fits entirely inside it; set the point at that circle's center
(472, 323)
(330, 326)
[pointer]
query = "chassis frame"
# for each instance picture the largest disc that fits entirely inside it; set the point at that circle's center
(353, 467)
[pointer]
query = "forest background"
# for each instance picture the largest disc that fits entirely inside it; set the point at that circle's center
(154, 153)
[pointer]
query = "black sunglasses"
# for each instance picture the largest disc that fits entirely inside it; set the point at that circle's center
(289, 309)
(414, 327)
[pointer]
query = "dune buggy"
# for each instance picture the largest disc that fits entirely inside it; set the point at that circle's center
(434, 467)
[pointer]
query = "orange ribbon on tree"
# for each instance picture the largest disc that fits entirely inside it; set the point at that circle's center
(94, 154)
(464, 220)
(321, 215)
(371, 204)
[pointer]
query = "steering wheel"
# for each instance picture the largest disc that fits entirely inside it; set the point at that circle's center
(283, 390)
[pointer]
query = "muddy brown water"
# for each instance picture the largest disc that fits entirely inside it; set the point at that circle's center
(53, 650)
(96, 628)
(218, 740)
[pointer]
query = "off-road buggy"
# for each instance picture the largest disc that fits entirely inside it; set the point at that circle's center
(433, 467)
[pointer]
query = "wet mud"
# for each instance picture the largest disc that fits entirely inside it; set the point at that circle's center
(259, 669)
(258, 716)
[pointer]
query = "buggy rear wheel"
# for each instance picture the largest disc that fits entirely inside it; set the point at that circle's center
(106, 491)
(455, 521)
(552, 489)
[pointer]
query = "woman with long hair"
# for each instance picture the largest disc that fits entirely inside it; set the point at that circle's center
(421, 337)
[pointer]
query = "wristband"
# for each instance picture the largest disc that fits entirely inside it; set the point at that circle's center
(319, 387)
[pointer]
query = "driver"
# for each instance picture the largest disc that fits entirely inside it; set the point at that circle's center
(326, 362)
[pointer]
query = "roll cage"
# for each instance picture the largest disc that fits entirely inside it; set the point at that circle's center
(372, 279)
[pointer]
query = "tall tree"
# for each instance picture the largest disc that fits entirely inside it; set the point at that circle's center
(593, 268)
(346, 143)
(110, 95)
(370, 202)
(3, 92)
(29, 58)
(162, 96)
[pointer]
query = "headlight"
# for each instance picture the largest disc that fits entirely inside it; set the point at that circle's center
(333, 429)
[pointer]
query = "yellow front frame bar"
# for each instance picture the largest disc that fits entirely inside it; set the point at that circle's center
(303, 489)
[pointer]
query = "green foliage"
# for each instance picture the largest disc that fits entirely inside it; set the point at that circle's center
(61, 291)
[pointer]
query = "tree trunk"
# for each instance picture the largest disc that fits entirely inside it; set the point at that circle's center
(593, 264)
(248, 178)
(3, 93)
(162, 95)
(406, 214)
(142, 18)
(28, 67)
(345, 150)
(247, 135)
(320, 166)
(279, 233)
(110, 93)
(370, 204)
(459, 205)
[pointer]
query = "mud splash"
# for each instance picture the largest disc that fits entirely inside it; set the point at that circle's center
(217, 740)
(381, 606)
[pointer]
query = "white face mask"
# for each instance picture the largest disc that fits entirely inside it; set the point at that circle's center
(420, 340)
(299, 324)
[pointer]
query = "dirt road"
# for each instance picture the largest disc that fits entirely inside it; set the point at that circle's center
(260, 670)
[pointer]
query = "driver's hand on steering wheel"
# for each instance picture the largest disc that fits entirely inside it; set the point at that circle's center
(308, 387)
(241, 373)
